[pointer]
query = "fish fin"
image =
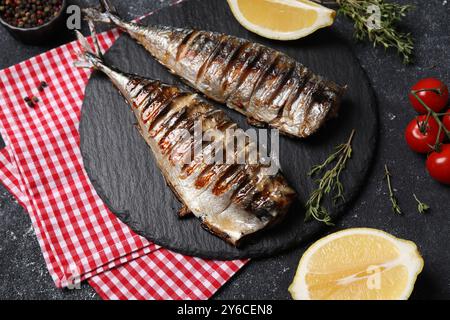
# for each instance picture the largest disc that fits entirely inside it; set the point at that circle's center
(184, 212)
(107, 6)
(87, 58)
(105, 13)
(98, 51)
(90, 58)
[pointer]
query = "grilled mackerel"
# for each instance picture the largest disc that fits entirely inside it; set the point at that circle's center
(265, 85)
(233, 201)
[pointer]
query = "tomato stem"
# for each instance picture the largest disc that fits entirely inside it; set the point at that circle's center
(431, 111)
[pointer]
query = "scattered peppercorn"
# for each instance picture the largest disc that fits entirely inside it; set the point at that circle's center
(29, 13)
(29, 102)
(42, 86)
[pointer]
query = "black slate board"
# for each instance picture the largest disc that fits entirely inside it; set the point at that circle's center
(124, 173)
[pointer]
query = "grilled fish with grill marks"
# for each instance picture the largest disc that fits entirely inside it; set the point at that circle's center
(265, 85)
(233, 201)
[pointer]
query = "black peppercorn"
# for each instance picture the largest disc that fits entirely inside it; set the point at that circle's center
(29, 13)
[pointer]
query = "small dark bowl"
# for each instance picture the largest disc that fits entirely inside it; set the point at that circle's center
(42, 34)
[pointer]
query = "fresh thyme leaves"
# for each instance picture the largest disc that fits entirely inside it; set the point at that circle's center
(421, 206)
(394, 201)
(329, 182)
(384, 34)
(376, 21)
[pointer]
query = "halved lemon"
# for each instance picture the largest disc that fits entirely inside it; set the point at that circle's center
(281, 19)
(357, 264)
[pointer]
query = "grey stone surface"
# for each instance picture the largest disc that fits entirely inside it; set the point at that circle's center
(23, 274)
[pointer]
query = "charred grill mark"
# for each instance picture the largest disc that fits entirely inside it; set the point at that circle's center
(241, 66)
(214, 53)
(230, 62)
(184, 45)
(162, 112)
(188, 169)
(160, 103)
(265, 73)
(135, 85)
(176, 136)
(148, 98)
(205, 176)
(199, 161)
(307, 102)
(250, 77)
(261, 198)
(177, 38)
(284, 76)
(144, 94)
(180, 149)
(169, 122)
(244, 194)
(227, 179)
(211, 119)
(303, 77)
(208, 173)
(173, 136)
(290, 83)
(213, 74)
(154, 108)
(321, 106)
(199, 45)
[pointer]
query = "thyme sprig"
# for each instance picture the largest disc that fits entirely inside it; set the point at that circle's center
(384, 31)
(329, 182)
(421, 206)
(395, 206)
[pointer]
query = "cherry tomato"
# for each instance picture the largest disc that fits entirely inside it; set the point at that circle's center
(446, 120)
(433, 100)
(438, 164)
(419, 142)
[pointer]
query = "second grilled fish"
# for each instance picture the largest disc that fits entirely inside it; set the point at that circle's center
(265, 85)
(233, 201)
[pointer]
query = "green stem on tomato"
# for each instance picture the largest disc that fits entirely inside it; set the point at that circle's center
(435, 115)
(423, 126)
(437, 144)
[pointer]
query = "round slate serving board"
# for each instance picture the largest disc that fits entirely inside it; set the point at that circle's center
(123, 170)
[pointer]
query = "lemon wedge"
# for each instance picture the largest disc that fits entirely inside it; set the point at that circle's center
(281, 19)
(357, 264)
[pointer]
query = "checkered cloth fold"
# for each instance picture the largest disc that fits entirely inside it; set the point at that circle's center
(80, 238)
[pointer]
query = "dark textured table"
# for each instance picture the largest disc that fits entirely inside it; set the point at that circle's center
(23, 274)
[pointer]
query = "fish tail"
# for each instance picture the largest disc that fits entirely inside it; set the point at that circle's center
(88, 57)
(107, 13)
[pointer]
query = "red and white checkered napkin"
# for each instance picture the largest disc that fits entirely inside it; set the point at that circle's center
(80, 238)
